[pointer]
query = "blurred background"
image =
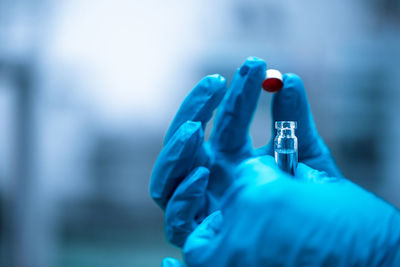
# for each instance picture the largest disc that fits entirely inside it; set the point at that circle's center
(88, 89)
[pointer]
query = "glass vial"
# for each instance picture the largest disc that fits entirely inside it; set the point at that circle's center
(285, 146)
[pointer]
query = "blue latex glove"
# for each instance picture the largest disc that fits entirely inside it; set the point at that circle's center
(203, 171)
(171, 262)
(190, 177)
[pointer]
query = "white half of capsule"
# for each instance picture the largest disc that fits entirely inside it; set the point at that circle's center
(273, 74)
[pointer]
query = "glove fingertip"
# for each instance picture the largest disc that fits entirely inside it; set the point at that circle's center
(254, 69)
(255, 62)
(195, 183)
(216, 81)
(306, 173)
(287, 103)
(293, 80)
(204, 232)
(171, 262)
(209, 94)
(197, 246)
(214, 221)
(200, 103)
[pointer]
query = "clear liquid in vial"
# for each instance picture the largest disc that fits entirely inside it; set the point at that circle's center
(286, 160)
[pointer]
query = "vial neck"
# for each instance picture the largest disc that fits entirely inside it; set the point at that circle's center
(285, 132)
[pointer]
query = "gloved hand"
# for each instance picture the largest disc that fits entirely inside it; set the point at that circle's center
(190, 175)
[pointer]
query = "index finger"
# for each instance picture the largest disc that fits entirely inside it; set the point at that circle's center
(232, 121)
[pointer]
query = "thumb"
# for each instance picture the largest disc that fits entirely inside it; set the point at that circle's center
(291, 104)
(198, 247)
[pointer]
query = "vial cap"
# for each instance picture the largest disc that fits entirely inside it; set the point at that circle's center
(273, 81)
(285, 125)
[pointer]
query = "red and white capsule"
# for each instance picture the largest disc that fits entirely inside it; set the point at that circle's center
(273, 81)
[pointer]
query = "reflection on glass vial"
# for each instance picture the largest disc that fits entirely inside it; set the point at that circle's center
(285, 146)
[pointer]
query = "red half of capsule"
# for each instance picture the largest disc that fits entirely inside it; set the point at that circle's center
(272, 85)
